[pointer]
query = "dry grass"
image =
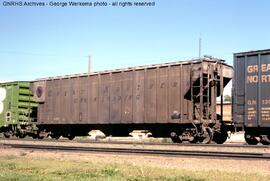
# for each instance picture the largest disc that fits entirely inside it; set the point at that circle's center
(20, 168)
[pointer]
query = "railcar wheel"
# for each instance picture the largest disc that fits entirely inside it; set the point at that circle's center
(21, 135)
(265, 139)
(175, 138)
(220, 137)
(208, 136)
(37, 136)
(7, 135)
(56, 137)
(40, 137)
(251, 139)
(194, 139)
(71, 137)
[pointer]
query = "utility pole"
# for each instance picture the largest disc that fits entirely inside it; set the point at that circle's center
(89, 64)
(200, 46)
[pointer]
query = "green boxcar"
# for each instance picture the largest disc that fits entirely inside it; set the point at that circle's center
(18, 109)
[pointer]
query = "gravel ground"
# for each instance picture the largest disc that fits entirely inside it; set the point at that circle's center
(193, 164)
(140, 145)
(188, 163)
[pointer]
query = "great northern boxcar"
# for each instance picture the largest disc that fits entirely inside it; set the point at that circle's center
(251, 97)
(176, 100)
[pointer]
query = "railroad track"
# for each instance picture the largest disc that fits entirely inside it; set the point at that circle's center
(189, 153)
(139, 143)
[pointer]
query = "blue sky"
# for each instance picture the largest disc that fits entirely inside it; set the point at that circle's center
(40, 42)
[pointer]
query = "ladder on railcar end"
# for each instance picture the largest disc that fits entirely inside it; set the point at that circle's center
(216, 79)
(221, 89)
(201, 102)
(197, 109)
(194, 93)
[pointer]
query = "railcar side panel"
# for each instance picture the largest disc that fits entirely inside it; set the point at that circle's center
(93, 97)
(251, 91)
(127, 104)
(239, 90)
(174, 90)
(58, 107)
(116, 98)
(104, 99)
(65, 100)
(138, 98)
(265, 88)
(49, 104)
(76, 98)
(83, 101)
(162, 95)
(150, 96)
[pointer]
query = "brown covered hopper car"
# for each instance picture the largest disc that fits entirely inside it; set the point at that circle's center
(175, 100)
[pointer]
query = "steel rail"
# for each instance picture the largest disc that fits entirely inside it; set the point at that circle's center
(190, 153)
(139, 143)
